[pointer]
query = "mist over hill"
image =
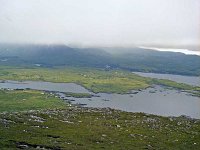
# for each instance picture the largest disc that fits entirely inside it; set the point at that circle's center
(132, 59)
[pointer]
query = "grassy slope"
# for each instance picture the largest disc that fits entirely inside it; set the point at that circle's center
(86, 128)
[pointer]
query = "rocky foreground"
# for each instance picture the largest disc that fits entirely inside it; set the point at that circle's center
(92, 128)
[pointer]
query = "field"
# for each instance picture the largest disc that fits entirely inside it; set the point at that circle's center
(96, 80)
(24, 100)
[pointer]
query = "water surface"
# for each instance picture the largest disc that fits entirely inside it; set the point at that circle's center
(47, 86)
(157, 100)
(191, 80)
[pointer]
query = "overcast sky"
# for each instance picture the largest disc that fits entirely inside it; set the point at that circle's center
(101, 22)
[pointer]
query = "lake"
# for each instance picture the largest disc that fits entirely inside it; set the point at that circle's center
(156, 100)
(191, 80)
(47, 86)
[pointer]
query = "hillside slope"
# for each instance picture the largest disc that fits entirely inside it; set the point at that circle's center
(133, 59)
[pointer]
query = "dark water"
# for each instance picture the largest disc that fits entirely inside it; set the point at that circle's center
(191, 80)
(157, 100)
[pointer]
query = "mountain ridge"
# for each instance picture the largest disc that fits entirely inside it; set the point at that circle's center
(132, 59)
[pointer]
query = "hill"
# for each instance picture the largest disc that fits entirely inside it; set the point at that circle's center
(133, 59)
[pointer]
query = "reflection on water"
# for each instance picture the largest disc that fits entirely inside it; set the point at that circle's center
(157, 100)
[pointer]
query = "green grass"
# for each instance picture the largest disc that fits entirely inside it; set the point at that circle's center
(86, 128)
(53, 124)
(23, 100)
(95, 80)
(169, 83)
